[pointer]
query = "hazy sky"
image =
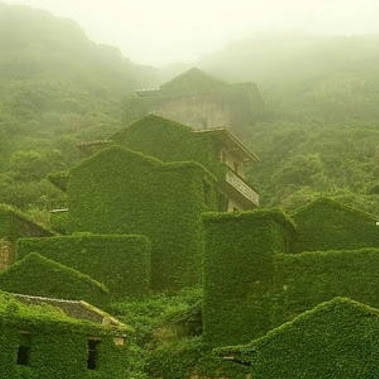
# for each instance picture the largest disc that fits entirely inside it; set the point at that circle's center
(164, 31)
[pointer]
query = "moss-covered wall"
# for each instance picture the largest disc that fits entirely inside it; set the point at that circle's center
(326, 224)
(121, 191)
(337, 339)
(239, 272)
(122, 263)
(58, 344)
(252, 285)
(35, 275)
(301, 281)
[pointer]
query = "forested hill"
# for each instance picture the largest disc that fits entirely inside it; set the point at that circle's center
(56, 86)
(323, 78)
(321, 132)
(319, 136)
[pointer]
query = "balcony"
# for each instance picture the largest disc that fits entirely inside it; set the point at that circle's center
(242, 188)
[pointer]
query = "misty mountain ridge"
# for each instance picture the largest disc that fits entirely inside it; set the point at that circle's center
(319, 133)
(324, 77)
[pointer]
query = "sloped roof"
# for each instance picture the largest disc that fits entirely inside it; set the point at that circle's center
(324, 202)
(25, 276)
(80, 310)
(333, 338)
(228, 138)
(192, 81)
(221, 134)
(8, 210)
(22, 310)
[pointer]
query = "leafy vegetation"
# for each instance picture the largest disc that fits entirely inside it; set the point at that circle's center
(318, 136)
(320, 132)
(121, 191)
(56, 88)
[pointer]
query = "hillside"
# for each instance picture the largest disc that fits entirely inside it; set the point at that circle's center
(321, 131)
(56, 86)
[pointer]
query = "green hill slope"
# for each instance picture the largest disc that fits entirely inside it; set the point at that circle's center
(56, 86)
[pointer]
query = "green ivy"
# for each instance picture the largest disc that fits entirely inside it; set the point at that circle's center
(337, 339)
(326, 224)
(38, 276)
(122, 263)
(121, 191)
(239, 272)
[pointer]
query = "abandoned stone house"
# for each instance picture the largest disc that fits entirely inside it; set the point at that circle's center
(49, 338)
(197, 99)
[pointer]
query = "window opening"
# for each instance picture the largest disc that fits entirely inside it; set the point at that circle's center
(92, 354)
(23, 351)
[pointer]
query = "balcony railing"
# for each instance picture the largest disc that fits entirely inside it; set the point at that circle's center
(242, 187)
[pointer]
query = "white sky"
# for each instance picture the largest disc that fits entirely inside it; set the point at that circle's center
(164, 31)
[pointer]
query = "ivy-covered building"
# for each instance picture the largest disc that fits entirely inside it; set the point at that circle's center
(218, 150)
(15, 224)
(120, 191)
(257, 275)
(336, 339)
(41, 339)
(202, 101)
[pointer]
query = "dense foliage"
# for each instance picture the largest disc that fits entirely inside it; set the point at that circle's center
(320, 132)
(56, 87)
(122, 263)
(318, 136)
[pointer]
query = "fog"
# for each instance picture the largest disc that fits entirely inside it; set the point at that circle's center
(159, 32)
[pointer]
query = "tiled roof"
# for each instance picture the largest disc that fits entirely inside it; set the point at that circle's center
(77, 309)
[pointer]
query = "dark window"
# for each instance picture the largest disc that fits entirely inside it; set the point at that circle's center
(23, 355)
(23, 352)
(92, 354)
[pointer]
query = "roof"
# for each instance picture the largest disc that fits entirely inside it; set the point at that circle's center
(227, 138)
(193, 80)
(325, 202)
(15, 213)
(338, 314)
(77, 309)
